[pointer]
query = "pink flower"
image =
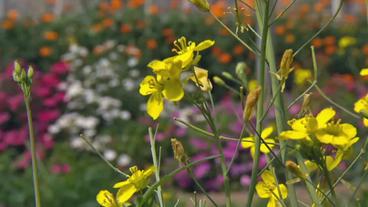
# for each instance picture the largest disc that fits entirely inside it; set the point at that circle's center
(48, 115)
(4, 117)
(60, 68)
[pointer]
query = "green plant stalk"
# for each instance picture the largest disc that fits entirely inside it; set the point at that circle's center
(167, 177)
(36, 183)
(261, 80)
(308, 182)
(279, 103)
(155, 163)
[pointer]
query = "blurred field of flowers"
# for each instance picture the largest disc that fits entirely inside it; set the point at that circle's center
(89, 65)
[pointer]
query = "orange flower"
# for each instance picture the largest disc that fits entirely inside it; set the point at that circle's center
(330, 50)
(47, 17)
(12, 15)
(96, 28)
(140, 24)
(238, 50)
(7, 24)
(50, 35)
(218, 8)
(304, 9)
(46, 51)
(154, 10)
(107, 22)
(104, 6)
(134, 51)
(225, 58)
(116, 5)
(330, 40)
(365, 49)
(152, 44)
(51, 2)
(167, 32)
(319, 7)
(125, 28)
(280, 30)
(135, 3)
(317, 42)
(290, 38)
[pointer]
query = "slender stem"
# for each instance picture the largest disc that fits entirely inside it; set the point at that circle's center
(168, 177)
(334, 103)
(155, 163)
(234, 35)
(279, 103)
(191, 174)
(322, 28)
(102, 157)
(282, 13)
(261, 81)
(36, 184)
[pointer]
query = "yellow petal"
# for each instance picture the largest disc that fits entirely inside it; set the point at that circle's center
(155, 105)
(173, 90)
(263, 190)
(283, 191)
(267, 132)
(324, 116)
(311, 166)
(270, 143)
(147, 173)
(247, 142)
(125, 193)
(148, 86)
(157, 65)
(121, 184)
(272, 202)
(364, 72)
(365, 122)
(332, 162)
(295, 135)
(204, 45)
(268, 177)
(349, 130)
(106, 199)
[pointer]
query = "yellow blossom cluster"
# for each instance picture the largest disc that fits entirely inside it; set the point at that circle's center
(137, 181)
(167, 83)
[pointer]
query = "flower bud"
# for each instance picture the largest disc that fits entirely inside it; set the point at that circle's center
(240, 72)
(23, 75)
(251, 102)
(287, 60)
(179, 152)
(17, 68)
(294, 168)
(228, 75)
(30, 73)
(201, 4)
(218, 81)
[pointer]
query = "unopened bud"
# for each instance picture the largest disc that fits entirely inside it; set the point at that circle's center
(227, 75)
(306, 104)
(218, 81)
(240, 72)
(295, 169)
(201, 4)
(287, 60)
(17, 68)
(179, 152)
(251, 102)
(30, 73)
(23, 75)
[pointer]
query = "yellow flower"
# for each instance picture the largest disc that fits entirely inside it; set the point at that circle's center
(185, 50)
(337, 134)
(106, 199)
(362, 105)
(301, 76)
(248, 142)
(201, 79)
(364, 72)
(304, 127)
(135, 183)
(166, 85)
(347, 41)
(268, 188)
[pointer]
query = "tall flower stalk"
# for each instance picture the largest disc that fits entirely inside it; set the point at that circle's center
(24, 80)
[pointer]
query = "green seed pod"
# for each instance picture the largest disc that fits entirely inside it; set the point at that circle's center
(240, 73)
(218, 81)
(228, 75)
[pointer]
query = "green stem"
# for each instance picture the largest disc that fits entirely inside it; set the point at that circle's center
(167, 177)
(279, 103)
(36, 185)
(261, 80)
(155, 163)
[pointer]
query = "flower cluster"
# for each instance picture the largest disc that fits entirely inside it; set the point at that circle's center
(168, 82)
(319, 131)
(136, 182)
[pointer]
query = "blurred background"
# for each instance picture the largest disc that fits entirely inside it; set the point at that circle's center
(90, 56)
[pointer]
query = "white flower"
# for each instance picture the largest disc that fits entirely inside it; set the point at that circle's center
(132, 62)
(123, 160)
(125, 115)
(109, 154)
